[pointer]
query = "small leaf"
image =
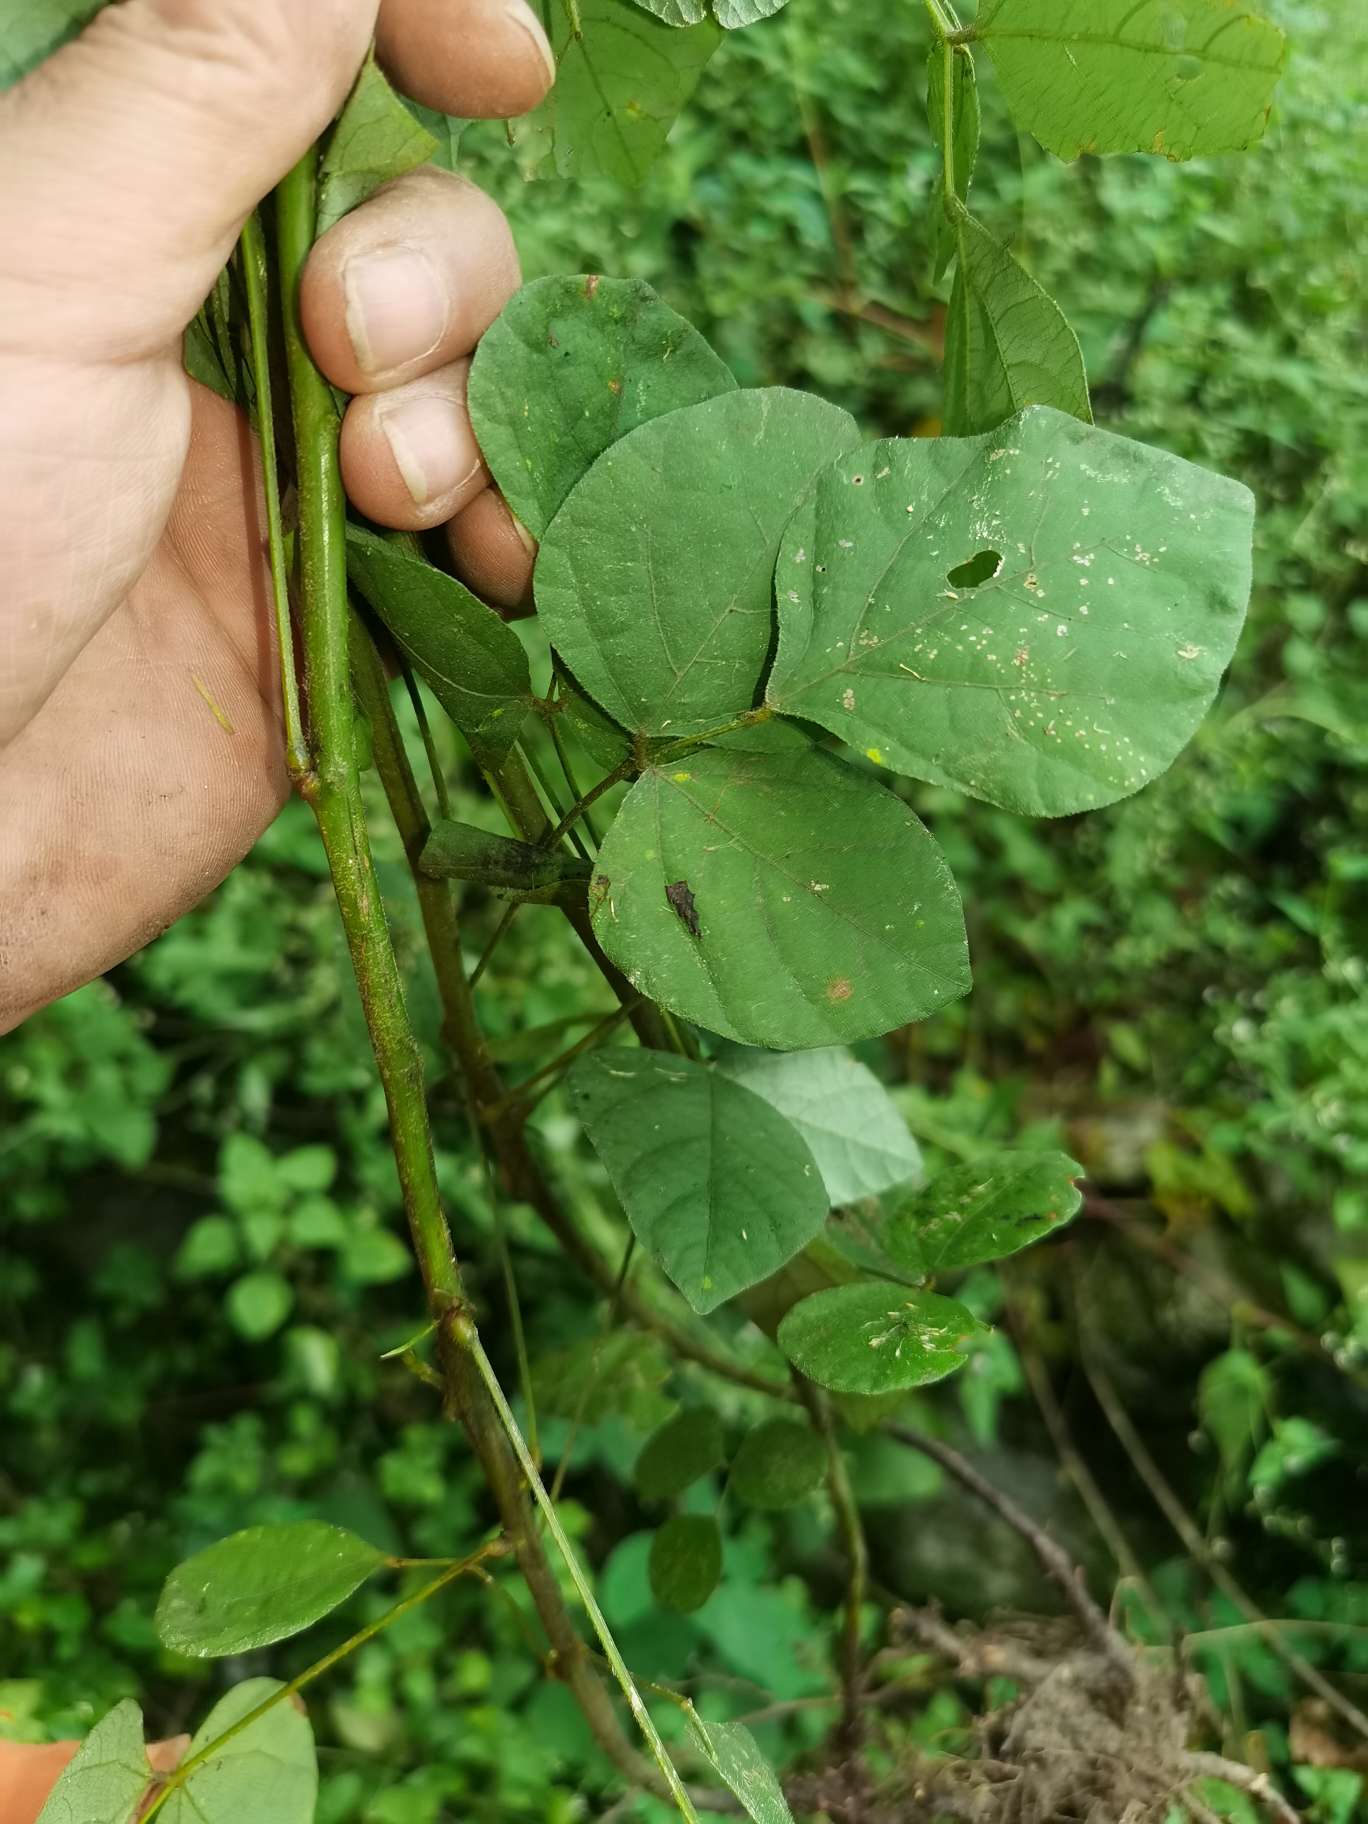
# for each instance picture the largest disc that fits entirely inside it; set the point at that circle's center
(730, 14)
(685, 1448)
(571, 366)
(269, 1770)
(260, 1586)
(461, 851)
(376, 139)
(964, 128)
(31, 30)
(621, 79)
(374, 1257)
(655, 579)
(984, 1211)
(1007, 343)
(856, 1135)
(258, 1304)
(877, 1338)
(1072, 676)
(104, 1781)
(473, 661)
(211, 1246)
(718, 1188)
(825, 910)
(446, 131)
(686, 1562)
(1177, 77)
(1234, 1395)
(779, 1464)
(734, 1755)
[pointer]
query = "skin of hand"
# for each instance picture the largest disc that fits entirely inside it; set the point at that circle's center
(28, 1774)
(140, 749)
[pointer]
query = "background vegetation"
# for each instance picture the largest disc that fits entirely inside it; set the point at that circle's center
(200, 1249)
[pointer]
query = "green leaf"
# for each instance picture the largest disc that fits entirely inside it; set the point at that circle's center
(984, 1211)
(1234, 1393)
(1007, 343)
(1178, 77)
(619, 85)
(461, 851)
(445, 130)
(877, 1338)
(570, 367)
(376, 139)
(211, 1246)
(260, 1586)
(964, 129)
(597, 734)
(258, 1304)
(473, 661)
(1066, 679)
(735, 1757)
(104, 1781)
(374, 1257)
(686, 1562)
(621, 1375)
(31, 30)
(718, 1188)
(822, 910)
(307, 1168)
(655, 579)
(730, 14)
(856, 1135)
(779, 1464)
(686, 1447)
(269, 1770)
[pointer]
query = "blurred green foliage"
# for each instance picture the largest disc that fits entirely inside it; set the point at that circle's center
(201, 1258)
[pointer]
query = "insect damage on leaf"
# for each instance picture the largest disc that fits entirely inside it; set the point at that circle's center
(682, 900)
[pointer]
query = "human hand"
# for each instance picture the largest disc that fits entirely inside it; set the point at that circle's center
(140, 751)
(28, 1773)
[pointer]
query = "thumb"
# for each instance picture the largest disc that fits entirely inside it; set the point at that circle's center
(132, 156)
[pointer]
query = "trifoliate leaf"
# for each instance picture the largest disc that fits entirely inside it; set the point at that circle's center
(1040, 616)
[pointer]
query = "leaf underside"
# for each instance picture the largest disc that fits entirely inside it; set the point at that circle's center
(824, 910)
(105, 1779)
(376, 139)
(267, 1771)
(1074, 669)
(1177, 77)
(735, 1757)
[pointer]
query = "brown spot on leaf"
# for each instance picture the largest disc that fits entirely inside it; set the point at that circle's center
(839, 988)
(598, 889)
(682, 900)
(591, 285)
(615, 386)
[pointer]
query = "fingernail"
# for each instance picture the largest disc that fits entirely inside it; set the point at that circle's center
(425, 439)
(521, 15)
(397, 308)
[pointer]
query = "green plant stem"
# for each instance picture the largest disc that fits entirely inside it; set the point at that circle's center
(545, 1079)
(439, 784)
(256, 283)
(467, 1339)
(857, 1556)
(563, 756)
(948, 117)
(333, 787)
(461, 1567)
(943, 20)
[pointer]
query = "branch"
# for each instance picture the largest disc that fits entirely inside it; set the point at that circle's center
(1245, 1779)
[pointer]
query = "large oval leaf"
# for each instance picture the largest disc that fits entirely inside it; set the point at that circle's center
(268, 1770)
(107, 1776)
(621, 79)
(858, 1138)
(655, 579)
(779, 898)
(570, 367)
(718, 1188)
(984, 1211)
(1178, 77)
(473, 661)
(260, 1585)
(877, 1338)
(1040, 616)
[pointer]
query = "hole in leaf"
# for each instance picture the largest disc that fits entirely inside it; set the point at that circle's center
(981, 568)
